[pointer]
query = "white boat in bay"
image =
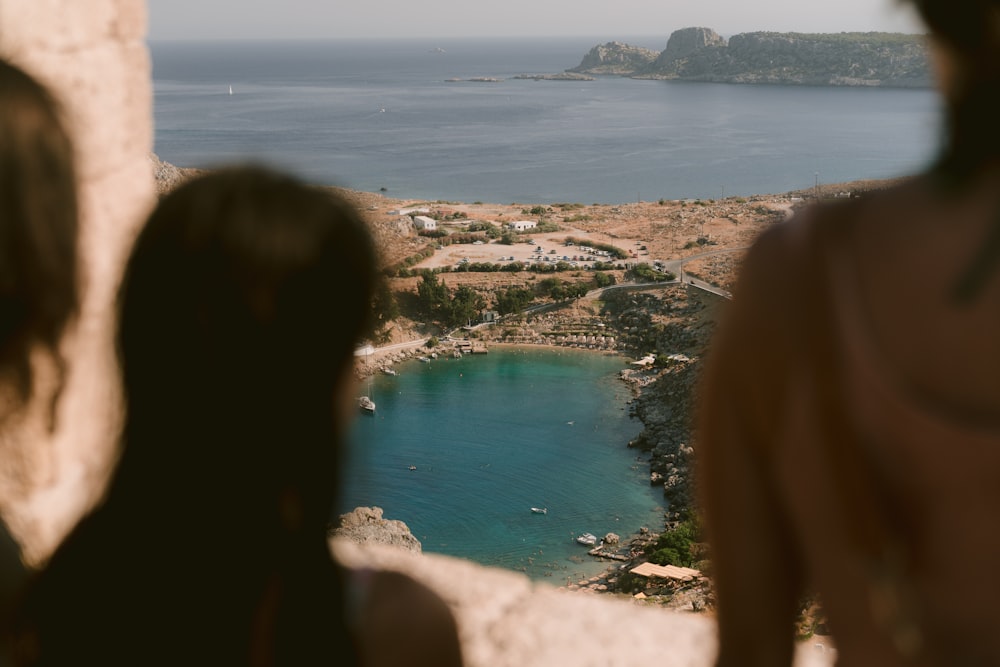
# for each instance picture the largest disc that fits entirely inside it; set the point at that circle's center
(366, 404)
(587, 539)
(540, 510)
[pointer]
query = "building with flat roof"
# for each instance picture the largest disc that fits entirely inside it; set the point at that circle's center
(423, 222)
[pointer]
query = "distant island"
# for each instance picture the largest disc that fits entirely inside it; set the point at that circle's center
(839, 59)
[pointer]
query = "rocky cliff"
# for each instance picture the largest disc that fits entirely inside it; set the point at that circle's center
(684, 45)
(615, 58)
(842, 59)
(365, 525)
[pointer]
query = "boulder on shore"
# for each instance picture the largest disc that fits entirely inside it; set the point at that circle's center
(365, 525)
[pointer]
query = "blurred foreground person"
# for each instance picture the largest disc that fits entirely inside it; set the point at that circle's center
(850, 425)
(241, 306)
(38, 281)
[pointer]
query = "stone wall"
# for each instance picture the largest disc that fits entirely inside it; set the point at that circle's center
(93, 56)
(506, 620)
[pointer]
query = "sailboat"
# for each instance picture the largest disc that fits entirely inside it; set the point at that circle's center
(230, 89)
(366, 404)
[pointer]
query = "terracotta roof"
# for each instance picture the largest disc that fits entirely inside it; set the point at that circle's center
(665, 571)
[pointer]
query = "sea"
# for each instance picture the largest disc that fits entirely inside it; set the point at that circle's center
(492, 436)
(385, 115)
(489, 437)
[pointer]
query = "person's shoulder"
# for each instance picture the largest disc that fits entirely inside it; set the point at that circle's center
(798, 241)
(818, 222)
(400, 618)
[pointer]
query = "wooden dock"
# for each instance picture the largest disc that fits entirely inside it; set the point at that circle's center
(601, 552)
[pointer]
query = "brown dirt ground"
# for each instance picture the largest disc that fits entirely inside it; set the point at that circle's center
(668, 229)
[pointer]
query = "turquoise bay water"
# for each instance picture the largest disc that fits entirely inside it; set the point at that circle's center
(493, 435)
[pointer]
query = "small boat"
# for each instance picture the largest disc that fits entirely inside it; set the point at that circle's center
(413, 467)
(230, 90)
(587, 539)
(424, 360)
(389, 371)
(366, 404)
(540, 510)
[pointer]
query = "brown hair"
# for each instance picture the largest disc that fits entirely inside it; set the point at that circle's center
(242, 302)
(38, 228)
(970, 30)
(241, 305)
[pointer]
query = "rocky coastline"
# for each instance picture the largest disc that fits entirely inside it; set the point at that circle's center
(701, 54)
(670, 324)
(663, 399)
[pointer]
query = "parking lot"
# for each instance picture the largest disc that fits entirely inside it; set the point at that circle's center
(550, 247)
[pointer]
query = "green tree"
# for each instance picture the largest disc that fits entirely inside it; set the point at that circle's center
(645, 273)
(432, 295)
(674, 547)
(513, 301)
(465, 306)
(602, 279)
(384, 304)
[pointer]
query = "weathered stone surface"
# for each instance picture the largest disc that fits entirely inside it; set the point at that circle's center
(366, 525)
(684, 44)
(506, 620)
(93, 57)
(615, 58)
(168, 176)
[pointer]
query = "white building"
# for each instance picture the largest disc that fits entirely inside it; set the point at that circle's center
(423, 222)
(522, 225)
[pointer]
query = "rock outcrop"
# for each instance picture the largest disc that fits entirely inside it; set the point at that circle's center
(684, 44)
(365, 525)
(841, 59)
(853, 59)
(615, 58)
(665, 408)
(168, 176)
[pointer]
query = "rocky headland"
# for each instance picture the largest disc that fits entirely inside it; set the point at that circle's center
(820, 59)
(616, 58)
(366, 525)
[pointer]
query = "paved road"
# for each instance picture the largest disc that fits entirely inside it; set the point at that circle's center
(675, 266)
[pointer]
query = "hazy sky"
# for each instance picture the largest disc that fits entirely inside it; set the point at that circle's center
(605, 19)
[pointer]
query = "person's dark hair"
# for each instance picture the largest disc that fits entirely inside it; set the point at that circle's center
(240, 308)
(242, 303)
(38, 229)
(970, 31)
